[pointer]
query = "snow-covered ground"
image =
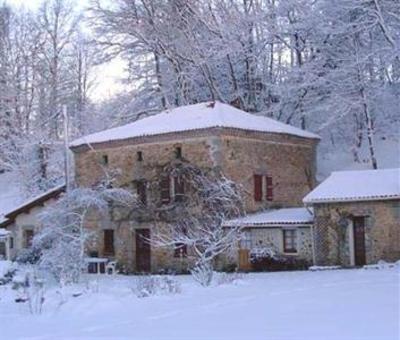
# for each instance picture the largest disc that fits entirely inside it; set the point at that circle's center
(321, 305)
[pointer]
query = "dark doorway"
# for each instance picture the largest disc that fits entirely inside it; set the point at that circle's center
(143, 259)
(359, 240)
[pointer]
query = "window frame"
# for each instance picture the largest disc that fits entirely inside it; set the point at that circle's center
(106, 251)
(104, 160)
(294, 240)
(180, 250)
(27, 240)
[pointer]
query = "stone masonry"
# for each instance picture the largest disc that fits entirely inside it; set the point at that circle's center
(382, 231)
(239, 154)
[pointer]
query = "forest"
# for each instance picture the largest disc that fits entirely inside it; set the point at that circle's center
(328, 66)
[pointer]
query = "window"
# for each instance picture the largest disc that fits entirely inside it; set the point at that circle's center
(141, 191)
(165, 189)
(139, 156)
(290, 241)
(108, 242)
(263, 188)
(179, 189)
(11, 242)
(258, 188)
(245, 241)
(178, 152)
(104, 160)
(28, 237)
(180, 250)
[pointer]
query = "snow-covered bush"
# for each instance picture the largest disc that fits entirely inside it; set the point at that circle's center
(262, 252)
(30, 288)
(228, 278)
(209, 200)
(268, 259)
(7, 272)
(149, 285)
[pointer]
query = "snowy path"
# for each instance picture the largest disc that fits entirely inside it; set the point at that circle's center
(345, 304)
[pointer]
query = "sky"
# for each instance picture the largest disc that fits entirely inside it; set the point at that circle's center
(107, 76)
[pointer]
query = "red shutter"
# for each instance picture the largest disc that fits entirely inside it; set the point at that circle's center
(165, 190)
(270, 188)
(257, 188)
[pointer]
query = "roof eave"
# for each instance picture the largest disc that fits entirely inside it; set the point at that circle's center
(76, 147)
(351, 199)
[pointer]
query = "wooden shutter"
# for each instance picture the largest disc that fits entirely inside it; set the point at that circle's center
(179, 188)
(165, 190)
(108, 242)
(257, 188)
(141, 191)
(270, 188)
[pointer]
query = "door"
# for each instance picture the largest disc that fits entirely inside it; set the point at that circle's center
(359, 240)
(143, 259)
(244, 260)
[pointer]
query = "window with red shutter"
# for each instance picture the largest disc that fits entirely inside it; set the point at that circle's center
(108, 242)
(165, 190)
(270, 188)
(257, 188)
(180, 250)
(141, 191)
(179, 189)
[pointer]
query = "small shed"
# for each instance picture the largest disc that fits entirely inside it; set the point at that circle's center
(356, 217)
(20, 224)
(284, 232)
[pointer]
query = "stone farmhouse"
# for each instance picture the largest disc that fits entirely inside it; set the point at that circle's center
(273, 163)
(350, 219)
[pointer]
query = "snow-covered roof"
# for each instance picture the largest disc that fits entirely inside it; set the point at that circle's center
(38, 200)
(194, 117)
(364, 185)
(285, 216)
(4, 232)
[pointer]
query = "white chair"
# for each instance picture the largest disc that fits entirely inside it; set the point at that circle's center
(111, 267)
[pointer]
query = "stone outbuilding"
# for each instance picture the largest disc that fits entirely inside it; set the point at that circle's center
(356, 217)
(21, 223)
(273, 163)
(284, 233)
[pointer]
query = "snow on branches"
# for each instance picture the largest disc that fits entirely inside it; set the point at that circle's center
(63, 237)
(209, 200)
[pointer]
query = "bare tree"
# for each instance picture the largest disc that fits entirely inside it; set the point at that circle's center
(207, 201)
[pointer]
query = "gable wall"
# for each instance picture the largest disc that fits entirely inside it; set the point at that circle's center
(382, 231)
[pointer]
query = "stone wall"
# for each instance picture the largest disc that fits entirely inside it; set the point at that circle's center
(272, 238)
(289, 160)
(382, 231)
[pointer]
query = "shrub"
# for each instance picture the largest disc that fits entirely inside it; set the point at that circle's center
(147, 285)
(228, 278)
(267, 260)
